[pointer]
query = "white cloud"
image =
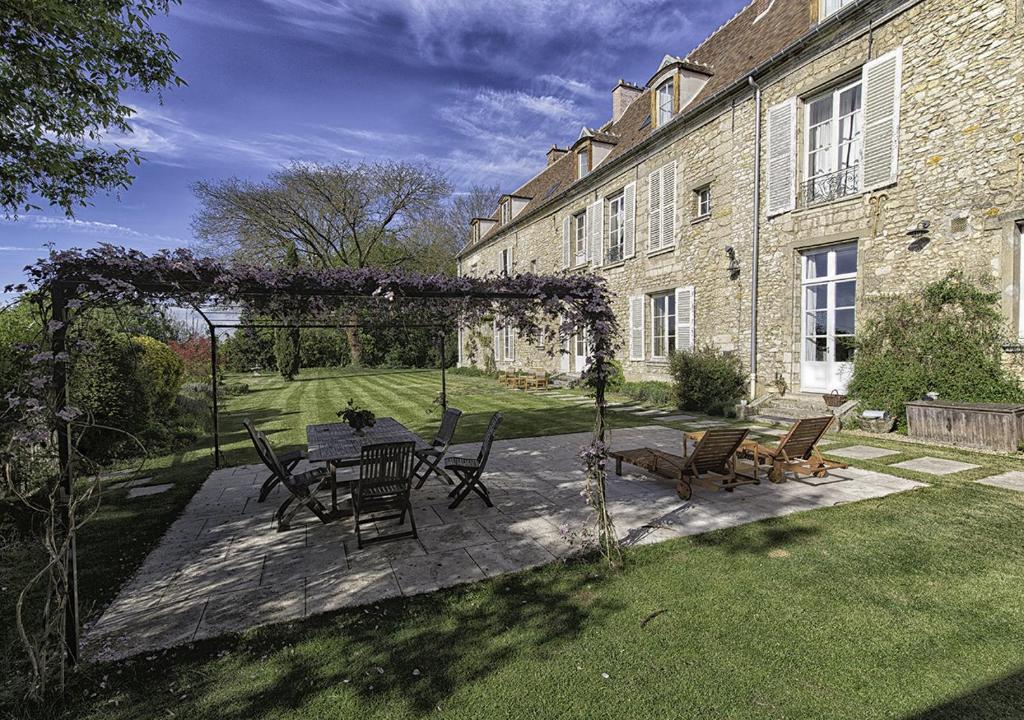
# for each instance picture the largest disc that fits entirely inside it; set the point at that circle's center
(100, 231)
(576, 87)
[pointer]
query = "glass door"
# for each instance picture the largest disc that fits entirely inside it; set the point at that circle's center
(581, 351)
(829, 317)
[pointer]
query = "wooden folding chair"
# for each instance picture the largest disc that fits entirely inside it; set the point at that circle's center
(469, 471)
(712, 462)
(288, 460)
(796, 452)
(302, 488)
(384, 486)
(431, 457)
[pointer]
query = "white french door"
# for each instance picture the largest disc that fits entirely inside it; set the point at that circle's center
(580, 351)
(829, 316)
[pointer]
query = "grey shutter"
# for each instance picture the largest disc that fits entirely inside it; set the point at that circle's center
(636, 327)
(782, 157)
(668, 205)
(629, 223)
(566, 244)
(684, 318)
(882, 83)
(595, 221)
(654, 211)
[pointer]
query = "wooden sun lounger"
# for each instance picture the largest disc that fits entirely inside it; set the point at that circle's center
(712, 462)
(796, 452)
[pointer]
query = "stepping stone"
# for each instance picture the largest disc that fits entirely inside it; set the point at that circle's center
(1013, 480)
(675, 418)
(862, 452)
(147, 490)
(773, 431)
(629, 408)
(935, 466)
(707, 424)
(650, 412)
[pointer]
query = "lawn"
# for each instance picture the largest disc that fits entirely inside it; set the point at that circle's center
(903, 607)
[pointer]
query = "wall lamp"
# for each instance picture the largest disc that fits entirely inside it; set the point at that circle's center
(734, 265)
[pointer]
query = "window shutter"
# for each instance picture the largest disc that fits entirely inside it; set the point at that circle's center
(668, 205)
(654, 210)
(498, 344)
(566, 244)
(511, 343)
(629, 223)
(684, 318)
(636, 327)
(782, 157)
(882, 83)
(511, 261)
(595, 215)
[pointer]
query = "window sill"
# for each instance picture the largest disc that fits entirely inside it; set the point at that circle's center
(700, 219)
(618, 264)
(844, 200)
(662, 251)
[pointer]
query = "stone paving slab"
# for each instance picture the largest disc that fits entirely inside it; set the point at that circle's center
(651, 411)
(1013, 480)
(862, 452)
(147, 490)
(675, 418)
(222, 566)
(935, 466)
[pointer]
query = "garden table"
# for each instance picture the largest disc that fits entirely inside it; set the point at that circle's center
(338, 445)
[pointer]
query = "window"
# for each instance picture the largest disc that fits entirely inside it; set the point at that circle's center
(616, 228)
(506, 211)
(833, 146)
(702, 196)
(579, 235)
(832, 6)
(1020, 280)
(505, 263)
(663, 325)
(509, 338)
(504, 341)
(665, 100)
(583, 162)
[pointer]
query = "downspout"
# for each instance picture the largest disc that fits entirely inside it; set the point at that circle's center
(755, 236)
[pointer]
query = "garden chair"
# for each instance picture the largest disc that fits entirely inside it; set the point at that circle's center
(384, 486)
(712, 461)
(288, 460)
(302, 488)
(431, 457)
(796, 452)
(470, 470)
(537, 380)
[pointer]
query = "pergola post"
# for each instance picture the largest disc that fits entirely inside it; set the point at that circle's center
(213, 393)
(61, 396)
(444, 367)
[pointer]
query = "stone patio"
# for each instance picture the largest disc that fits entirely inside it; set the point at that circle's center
(222, 567)
(862, 452)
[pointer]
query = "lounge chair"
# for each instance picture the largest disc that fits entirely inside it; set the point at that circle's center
(302, 488)
(470, 470)
(796, 451)
(431, 457)
(384, 486)
(288, 460)
(712, 461)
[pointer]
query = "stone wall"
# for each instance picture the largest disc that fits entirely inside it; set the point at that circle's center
(961, 167)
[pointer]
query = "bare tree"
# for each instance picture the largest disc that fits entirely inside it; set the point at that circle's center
(338, 215)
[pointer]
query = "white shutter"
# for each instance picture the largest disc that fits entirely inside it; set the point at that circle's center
(882, 83)
(668, 205)
(511, 343)
(595, 215)
(636, 327)
(511, 261)
(684, 318)
(782, 157)
(629, 223)
(499, 348)
(654, 211)
(566, 244)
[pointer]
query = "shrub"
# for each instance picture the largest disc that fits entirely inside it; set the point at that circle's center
(707, 380)
(616, 378)
(648, 391)
(944, 338)
(195, 353)
(161, 373)
(286, 352)
(323, 347)
(468, 371)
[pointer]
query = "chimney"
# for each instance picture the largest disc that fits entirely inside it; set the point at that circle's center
(623, 96)
(554, 153)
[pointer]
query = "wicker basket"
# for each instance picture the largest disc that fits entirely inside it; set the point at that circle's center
(834, 399)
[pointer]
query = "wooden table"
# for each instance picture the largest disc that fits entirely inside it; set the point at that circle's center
(338, 445)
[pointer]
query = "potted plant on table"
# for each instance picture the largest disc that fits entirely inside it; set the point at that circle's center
(357, 418)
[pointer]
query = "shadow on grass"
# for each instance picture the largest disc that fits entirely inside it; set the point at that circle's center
(759, 538)
(1003, 698)
(412, 653)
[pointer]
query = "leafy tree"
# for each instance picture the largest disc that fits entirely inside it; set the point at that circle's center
(339, 215)
(944, 338)
(63, 68)
(445, 231)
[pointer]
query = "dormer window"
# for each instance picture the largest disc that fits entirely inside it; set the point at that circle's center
(582, 161)
(828, 7)
(665, 99)
(506, 211)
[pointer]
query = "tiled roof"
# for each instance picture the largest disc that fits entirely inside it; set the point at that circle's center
(756, 34)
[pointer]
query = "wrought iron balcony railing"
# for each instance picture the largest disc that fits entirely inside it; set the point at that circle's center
(614, 254)
(826, 188)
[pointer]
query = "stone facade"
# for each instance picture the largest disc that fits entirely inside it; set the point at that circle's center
(960, 168)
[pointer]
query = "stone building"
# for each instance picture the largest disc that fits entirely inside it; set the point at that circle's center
(808, 159)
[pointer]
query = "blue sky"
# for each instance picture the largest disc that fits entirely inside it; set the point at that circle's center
(480, 88)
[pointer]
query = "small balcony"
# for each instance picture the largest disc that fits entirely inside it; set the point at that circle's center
(831, 187)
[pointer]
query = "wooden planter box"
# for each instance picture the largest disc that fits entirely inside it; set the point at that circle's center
(991, 426)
